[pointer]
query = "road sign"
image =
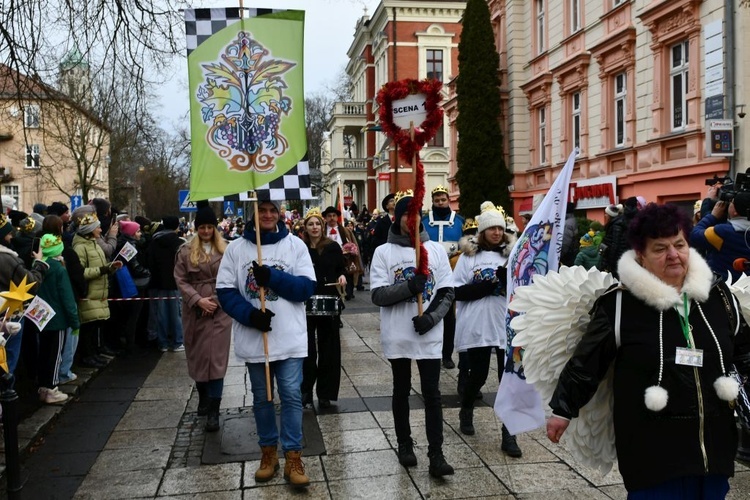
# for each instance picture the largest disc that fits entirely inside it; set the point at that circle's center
(186, 204)
(75, 201)
(228, 209)
(240, 213)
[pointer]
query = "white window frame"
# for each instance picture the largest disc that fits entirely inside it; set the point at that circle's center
(31, 116)
(429, 61)
(539, 26)
(13, 190)
(678, 82)
(575, 130)
(32, 156)
(542, 117)
(621, 97)
(575, 15)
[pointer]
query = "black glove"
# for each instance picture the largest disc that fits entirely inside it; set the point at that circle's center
(423, 323)
(417, 283)
(262, 274)
(261, 320)
(501, 273)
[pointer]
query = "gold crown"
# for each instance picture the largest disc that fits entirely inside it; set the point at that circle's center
(314, 212)
(470, 224)
(27, 226)
(403, 194)
(439, 189)
(88, 219)
(51, 242)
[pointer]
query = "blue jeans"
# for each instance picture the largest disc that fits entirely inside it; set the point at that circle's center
(288, 376)
(69, 350)
(168, 318)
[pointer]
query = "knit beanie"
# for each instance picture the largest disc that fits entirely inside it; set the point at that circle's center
(170, 222)
(742, 204)
(40, 208)
(613, 210)
(57, 208)
(129, 228)
(80, 212)
(16, 216)
(51, 245)
(587, 239)
(142, 221)
(596, 226)
(87, 224)
(5, 226)
(490, 216)
(29, 225)
(205, 216)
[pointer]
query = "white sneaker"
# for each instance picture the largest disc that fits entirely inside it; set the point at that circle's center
(67, 380)
(178, 348)
(52, 396)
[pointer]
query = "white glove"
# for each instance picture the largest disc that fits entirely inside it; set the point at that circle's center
(12, 327)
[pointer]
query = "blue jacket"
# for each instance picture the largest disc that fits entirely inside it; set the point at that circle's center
(722, 242)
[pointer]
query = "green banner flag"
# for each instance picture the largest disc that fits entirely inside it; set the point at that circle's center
(247, 111)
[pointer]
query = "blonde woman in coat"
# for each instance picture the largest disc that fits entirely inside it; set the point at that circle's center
(94, 309)
(206, 326)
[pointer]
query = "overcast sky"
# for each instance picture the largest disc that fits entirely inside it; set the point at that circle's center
(329, 31)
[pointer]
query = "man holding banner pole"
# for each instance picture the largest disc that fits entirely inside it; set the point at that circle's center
(286, 274)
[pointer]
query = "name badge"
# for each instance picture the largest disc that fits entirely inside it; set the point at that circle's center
(689, 357)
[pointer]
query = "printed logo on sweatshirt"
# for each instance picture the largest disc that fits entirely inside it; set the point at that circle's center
(403, 274)
(253, 290)
(486, 274)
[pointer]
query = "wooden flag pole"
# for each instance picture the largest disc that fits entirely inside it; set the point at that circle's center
(420, 306)
(262, 301)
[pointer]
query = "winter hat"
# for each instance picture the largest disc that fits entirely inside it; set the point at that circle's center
(38, 218)
(205, 216)
(51, 245)
(596, 226)
(260, 202)
(129, 228)
(385, 201)
(15, 217)
(57, 208)
(170, 222)
(40, 208)
(490, 216)
(697, 207)
(142, 221)
(587, 239)
(613, 210)
(29, 225)
(5, 226)
(87, 224)
(80, 212)
(402, 203)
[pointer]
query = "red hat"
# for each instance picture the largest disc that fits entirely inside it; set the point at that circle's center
(129, 228)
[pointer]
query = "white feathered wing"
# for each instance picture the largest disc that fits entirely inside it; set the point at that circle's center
(741, 290)
(555, 315)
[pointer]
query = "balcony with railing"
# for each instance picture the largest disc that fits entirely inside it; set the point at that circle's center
(349, 164)
(348, 114)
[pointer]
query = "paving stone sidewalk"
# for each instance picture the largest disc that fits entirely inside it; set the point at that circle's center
(156, 449)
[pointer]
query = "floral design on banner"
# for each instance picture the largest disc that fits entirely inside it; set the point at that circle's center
(243, 100)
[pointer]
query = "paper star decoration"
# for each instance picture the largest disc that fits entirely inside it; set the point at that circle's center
(16, 296)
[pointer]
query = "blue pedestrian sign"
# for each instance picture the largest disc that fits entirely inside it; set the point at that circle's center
(186, 204)
(75, 201)
(228, 209)
(240, 213)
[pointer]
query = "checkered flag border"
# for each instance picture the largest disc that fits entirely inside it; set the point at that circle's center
(201, 24)
(293, 185)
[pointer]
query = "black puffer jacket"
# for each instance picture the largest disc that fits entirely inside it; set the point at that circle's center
(161, 259)
(653, 447)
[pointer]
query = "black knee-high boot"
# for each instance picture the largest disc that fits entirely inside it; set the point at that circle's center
(212, 422)
(202, 398)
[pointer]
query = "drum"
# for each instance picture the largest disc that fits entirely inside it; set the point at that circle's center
(322, 305)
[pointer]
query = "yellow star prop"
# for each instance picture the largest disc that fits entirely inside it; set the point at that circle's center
(16, 296)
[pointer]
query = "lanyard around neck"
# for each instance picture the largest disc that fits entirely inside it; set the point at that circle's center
(684, 321)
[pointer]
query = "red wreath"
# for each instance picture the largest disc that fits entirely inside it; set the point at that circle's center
(408, 149)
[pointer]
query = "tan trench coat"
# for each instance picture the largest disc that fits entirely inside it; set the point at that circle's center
(206, 337)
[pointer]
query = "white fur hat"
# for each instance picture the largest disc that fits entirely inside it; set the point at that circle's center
(490, 216)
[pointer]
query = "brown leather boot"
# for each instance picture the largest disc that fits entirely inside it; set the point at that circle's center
(269, 464)
(294, 469)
